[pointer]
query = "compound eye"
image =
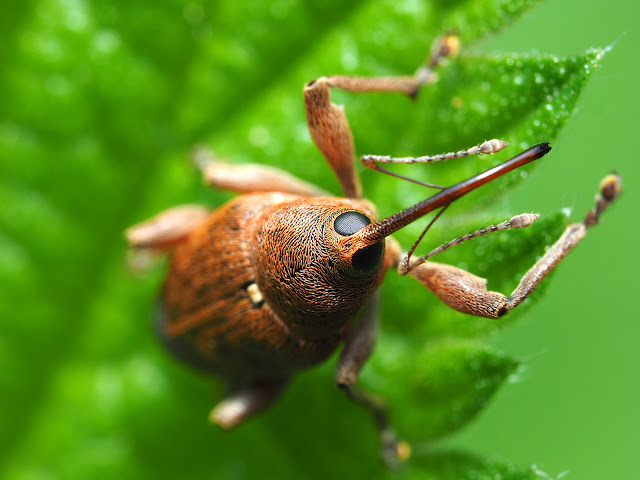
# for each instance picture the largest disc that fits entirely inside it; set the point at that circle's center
(348, 223)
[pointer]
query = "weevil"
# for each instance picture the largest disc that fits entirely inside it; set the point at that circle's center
(277, 279)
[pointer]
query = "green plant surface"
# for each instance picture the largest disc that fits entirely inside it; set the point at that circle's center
(100, 106)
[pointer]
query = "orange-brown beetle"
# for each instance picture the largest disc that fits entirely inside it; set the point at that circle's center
(272, 282)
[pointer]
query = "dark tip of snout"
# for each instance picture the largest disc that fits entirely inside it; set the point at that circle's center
(368, 259)
(542, 149)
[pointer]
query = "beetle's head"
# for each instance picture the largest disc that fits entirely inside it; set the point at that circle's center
(342, 236)
(318, 260)
(311, 266)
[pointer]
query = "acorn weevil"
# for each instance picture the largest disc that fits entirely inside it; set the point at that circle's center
(277, 279)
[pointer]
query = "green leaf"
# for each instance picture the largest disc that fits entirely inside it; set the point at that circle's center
(463, 466)
(100, 104)
(445, 385)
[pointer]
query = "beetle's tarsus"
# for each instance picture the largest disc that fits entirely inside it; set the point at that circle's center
(393, 451)
(610, 190)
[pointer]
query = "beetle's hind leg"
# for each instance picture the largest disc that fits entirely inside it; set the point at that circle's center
(328, 124)
(243, 402)
(359, 343)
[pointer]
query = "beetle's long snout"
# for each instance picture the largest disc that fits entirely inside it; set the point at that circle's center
(376, 231)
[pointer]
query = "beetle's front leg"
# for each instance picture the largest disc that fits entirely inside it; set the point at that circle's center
(328, 123)
(358, 344)
(467, 293)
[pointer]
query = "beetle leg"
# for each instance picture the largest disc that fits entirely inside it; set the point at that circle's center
(359, 343)
(328, 123)
(244, 402)
(160, 234)
(250, 178)
(467, 293)
(167, 229)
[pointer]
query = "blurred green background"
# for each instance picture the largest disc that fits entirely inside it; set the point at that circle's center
(100, 102)
(576, 406)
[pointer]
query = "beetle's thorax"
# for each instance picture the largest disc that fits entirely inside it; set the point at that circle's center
(300, 271)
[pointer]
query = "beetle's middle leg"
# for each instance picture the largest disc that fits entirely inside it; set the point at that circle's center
(328, 124)
(359, 343)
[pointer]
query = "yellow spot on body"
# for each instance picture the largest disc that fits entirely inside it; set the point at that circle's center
(255, 295)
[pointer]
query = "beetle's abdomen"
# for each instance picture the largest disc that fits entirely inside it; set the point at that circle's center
(212, 315)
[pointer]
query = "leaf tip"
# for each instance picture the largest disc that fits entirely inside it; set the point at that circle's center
(595, 55)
